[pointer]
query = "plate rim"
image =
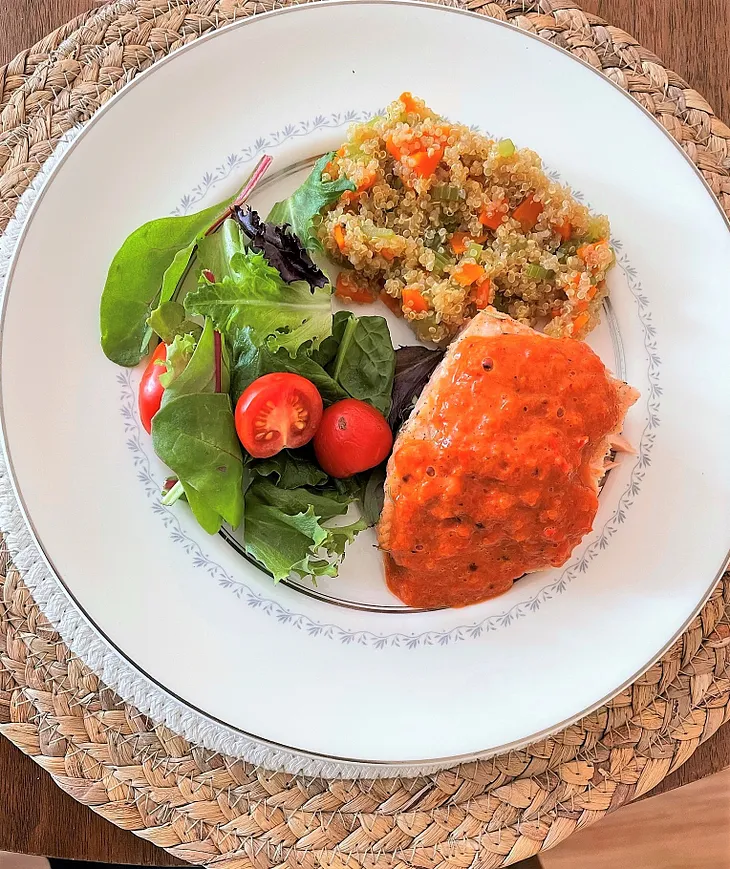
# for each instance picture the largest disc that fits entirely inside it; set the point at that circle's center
(285, 753)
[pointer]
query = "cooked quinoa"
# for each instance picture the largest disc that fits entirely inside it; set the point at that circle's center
(445, 221)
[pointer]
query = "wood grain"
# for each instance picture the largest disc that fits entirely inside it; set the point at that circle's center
(691, 37)
(687, 829)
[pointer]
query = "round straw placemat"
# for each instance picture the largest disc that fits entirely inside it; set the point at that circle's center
(209, 808)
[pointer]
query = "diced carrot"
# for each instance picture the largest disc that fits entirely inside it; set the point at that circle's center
(410, 105)
(492, 216)
(387, 253)
(589, 252)
(394, 150)
(367, 182)
(349, 287)
(391, 303)
(339, 235)
(331, 169)
(564, 230)
(467, 274)
(414, 300)
(424, 164)
(483, 294)
(459, 241)
(590, 293)
(580, 322)
(349, 196)
(527, 213)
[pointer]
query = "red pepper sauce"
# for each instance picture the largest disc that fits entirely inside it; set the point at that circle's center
(501, 484)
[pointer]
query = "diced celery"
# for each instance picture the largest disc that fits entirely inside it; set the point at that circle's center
(537, 272)
(506, 148)
(445, 193)
(441, 262)
(474, 250)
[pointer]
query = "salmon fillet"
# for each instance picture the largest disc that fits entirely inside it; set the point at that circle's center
(496, 472)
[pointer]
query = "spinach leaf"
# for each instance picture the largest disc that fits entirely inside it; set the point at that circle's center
(307, 201)
(282, 249)
(372, 494)
(257, 297)
(289, 470)
(327, 350)
(168, 320)
(413, 369)
(253, 361)
(199, 374)
(365, 361)
(145, 272)
(195, 436)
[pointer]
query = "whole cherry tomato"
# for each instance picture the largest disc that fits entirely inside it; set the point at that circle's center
(352, 437)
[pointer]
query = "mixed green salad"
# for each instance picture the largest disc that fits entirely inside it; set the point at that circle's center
(271, 412)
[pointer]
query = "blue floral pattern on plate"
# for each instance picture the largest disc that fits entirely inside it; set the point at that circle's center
(136, 437)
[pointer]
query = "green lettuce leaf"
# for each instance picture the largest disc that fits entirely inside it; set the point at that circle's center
(195, 436)
(288, 314)
(199, 373)
(168, 320)
(326, 505)
(307, 201)
(298, 543)
(177, 357)
(289, 470)
(144, 273)
(253, 360)
(216, 251)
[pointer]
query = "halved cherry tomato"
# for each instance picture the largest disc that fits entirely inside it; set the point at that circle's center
(352, 437)
(277, 411)
(150, 388)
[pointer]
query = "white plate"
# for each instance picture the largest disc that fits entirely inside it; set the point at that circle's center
(369, 684)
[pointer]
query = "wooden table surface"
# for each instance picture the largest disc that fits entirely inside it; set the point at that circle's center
(36, 817)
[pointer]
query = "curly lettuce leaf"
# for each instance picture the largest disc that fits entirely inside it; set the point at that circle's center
(307, 201)
(168, 320)
(413, 369)
(287, 530)
(290, 471)
(198, 375)
(253, 360)
(290, 315)
(281, 247)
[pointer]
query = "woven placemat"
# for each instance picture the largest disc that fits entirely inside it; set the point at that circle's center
(208, 808)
